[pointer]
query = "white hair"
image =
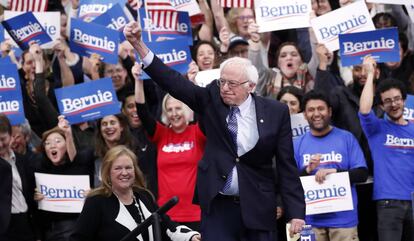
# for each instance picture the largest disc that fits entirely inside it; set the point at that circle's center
(188, 113)
(246, 66)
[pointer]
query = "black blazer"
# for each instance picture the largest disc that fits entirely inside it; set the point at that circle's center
(257, 182)
(6, 189)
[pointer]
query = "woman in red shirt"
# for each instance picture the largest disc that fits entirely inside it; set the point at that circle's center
(180, 146)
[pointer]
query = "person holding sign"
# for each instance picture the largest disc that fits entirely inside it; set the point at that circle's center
(16, 204)
(325, 150)
(180, 146)
(235, 179)
(59, 156)
(121, 202)
(392, 145)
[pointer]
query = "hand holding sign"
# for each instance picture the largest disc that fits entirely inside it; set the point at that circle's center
(63, 124)
(253, 30)
(324, 55)
(192, 71)
(321, 174)
(313, 163)
(224, 37)
(137, 72)
(369, 65)
(133, 33)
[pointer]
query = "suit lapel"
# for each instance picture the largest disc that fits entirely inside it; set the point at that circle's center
(260, 115)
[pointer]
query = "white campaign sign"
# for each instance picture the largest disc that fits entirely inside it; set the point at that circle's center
(190, 6)
(274, 15)
(50, 21)
(299, 125)
(203, 78)
(62, 193)
(399, 2)
(352, 18)
(333, 195)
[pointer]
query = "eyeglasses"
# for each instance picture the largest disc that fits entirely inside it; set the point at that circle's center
(244, 18)
(230, 83)
(389, 101)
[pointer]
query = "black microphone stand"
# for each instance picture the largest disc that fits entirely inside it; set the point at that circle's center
(154, 220)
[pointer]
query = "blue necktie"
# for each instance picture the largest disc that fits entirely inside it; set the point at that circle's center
(232, 126)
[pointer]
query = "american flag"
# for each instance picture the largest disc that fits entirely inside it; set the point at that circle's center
(237, 3)
(162, 13)
(28, 5)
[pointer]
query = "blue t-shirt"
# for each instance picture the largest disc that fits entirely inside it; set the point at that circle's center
(340, 150)
(392, 148)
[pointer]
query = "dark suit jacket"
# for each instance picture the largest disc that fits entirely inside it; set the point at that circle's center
(257, 182)
(6, 189)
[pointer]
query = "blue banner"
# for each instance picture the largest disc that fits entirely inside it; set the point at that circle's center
(116, 19)
(174, 53)
(183, 29)
(381, 44)
(11, 103)
(409, 108)
(24, 29)
(90, 9)
(87, 38)
(87, 101)
(1, 33)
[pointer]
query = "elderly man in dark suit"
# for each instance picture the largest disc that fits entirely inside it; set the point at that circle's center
(16, 198)
(235, 180)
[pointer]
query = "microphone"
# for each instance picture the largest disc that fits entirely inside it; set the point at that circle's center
(167, 206)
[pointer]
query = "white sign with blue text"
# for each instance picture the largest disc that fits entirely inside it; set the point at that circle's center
(62, 193)
(299, 125)
(399, 2)
(90, 9)
(87, 101)
(381, 44)
(282, 14)
(333, 195)
(352, 18)
(11, 103)
(190, 6)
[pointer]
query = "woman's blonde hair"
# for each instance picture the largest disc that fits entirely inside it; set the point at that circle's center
(188, 113)
(114, 153)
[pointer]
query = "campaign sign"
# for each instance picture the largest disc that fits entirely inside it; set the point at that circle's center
(115, 18)
(24, 29)
(333, 195)
(409, 108)
(299, 125)
(274, 15)
(174, 53)
(349, 19)
(1, 33)
(62, 193)
(399, 2)
(159, 33)
(11, 103)
(190, 6)
(90, 9)
(87, 38)
(205, 77)
(50, 22)
(381, 44)
(87, 101)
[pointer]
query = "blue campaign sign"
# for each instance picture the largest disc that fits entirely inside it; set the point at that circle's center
(183, 29)
(381, 44)
(87, 101)
(90, 9)
(24, 29)
(409, 108)
(1, 33)
(87, 38)
(174, 53)
(115, 18)
(11, 103)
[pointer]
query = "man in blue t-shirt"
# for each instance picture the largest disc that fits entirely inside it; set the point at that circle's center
(324, 150)
(391, 141)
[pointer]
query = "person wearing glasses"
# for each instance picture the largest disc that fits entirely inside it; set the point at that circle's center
(236, 181)
(392, 146)
(58, 155)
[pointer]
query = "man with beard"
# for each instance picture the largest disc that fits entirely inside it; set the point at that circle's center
(345, 107)
(392, 146)
(325, 150)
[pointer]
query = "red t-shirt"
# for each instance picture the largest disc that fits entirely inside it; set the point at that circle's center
(178, 155)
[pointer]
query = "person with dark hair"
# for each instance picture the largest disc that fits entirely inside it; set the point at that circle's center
(205, 55)
(313, 154)
(292, 96)
(16, 203)
(121, 202)
(392, 146)
(58, 155)
(384, 20)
